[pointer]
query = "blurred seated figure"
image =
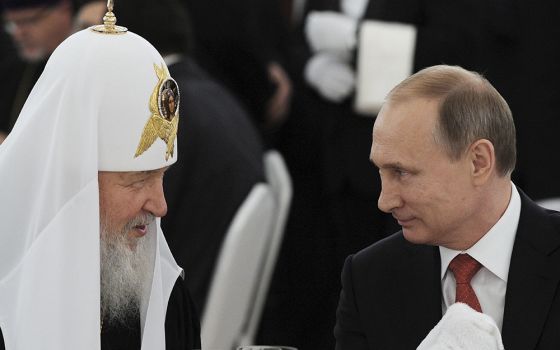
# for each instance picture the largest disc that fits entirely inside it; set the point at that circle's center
(220, 151)
(243, 44)
(36, 28)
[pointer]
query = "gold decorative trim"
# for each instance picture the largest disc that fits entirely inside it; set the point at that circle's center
(164, 106)
(109, 22)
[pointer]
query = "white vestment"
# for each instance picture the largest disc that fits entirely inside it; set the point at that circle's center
(86, 113)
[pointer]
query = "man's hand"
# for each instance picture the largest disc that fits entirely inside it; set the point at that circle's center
(331, 76)
(331, 32)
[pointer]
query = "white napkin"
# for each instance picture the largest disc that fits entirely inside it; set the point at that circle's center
(462, 328)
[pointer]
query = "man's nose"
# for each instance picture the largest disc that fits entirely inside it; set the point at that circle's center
(17, 32)
(156, 203)
(389, 198)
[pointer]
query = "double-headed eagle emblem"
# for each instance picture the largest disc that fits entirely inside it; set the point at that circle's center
(164, 106)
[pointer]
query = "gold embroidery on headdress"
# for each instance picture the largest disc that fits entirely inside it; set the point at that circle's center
(164, 106)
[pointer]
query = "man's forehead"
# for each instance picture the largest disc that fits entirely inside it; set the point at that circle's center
(381, 152)
(407, 118)
(386, 123)
(138, 173)
(148, 172)
(25, 9)
(404, 129)
(24, 4)
(21, 12)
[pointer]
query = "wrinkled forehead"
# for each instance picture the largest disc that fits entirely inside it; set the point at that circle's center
(133, 175)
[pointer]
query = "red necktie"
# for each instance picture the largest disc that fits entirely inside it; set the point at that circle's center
(464, 267)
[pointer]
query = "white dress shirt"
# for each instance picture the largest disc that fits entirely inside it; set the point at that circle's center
(493, 251)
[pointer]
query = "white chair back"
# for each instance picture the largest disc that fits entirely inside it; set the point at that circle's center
(279, 179)
(237, 271)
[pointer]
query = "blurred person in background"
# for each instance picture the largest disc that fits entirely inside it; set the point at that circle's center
(242, 44)
(36, 28)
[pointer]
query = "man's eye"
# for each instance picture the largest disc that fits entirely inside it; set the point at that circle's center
(136, 183)
(401, 172)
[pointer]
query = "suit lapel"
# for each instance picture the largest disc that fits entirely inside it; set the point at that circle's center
(533, 277)
(423, 293)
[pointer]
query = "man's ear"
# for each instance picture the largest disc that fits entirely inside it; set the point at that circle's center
(483, 160)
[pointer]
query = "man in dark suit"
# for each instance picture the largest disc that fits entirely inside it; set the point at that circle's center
(444, 143)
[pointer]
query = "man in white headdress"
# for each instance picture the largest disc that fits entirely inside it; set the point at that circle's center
(83, 261)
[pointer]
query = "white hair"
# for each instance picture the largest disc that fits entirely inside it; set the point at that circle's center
(126, 272)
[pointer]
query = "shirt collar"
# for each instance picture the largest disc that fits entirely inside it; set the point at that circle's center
(494, 249)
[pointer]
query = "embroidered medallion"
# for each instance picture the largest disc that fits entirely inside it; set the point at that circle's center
(164, 106)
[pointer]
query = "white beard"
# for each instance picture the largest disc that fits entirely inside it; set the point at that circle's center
(126, 273)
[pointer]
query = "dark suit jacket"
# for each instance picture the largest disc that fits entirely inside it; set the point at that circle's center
(219, 162)
(391, 291)
(534, 99)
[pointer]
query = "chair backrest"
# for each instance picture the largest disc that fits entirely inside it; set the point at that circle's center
(237, 272)
(279, 179)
